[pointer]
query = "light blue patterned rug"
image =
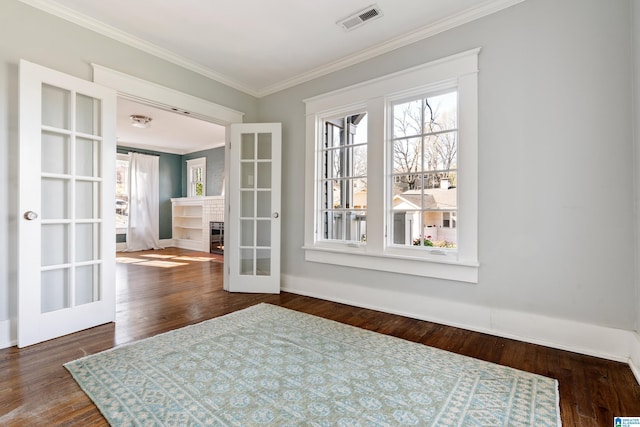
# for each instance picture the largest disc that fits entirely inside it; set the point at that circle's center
(270, 366)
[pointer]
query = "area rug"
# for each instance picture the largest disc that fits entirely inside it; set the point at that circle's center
(270, 366)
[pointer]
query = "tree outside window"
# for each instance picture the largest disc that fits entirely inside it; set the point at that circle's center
(424, 151)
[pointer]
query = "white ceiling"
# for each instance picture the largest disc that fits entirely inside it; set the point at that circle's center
(256, 46)
(260, 46)
(168, 132)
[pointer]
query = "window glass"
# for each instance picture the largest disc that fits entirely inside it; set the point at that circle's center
(197, 177)
(424, 149)
(386, 198)
(122, 191)
(344, 178)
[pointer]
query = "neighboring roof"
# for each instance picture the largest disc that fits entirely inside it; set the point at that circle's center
(435, 198)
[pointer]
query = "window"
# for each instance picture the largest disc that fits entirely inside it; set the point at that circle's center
(391, 173)
(424, 147)
(344, 178)
(197, 177)
(122, 193)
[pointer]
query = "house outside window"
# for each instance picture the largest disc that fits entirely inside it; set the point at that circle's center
(197, 176)
(418, 186)
(122, 193)
(424, 147)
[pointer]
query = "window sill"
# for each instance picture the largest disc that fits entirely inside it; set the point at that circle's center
(442, 269)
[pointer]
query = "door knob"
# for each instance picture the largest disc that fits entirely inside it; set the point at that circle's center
(30, 215)
(276, 214)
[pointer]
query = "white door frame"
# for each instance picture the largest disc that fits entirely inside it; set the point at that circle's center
(146, 92)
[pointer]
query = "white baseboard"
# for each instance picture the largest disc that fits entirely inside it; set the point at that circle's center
(7, 334)
(599, 341)
(634, 358)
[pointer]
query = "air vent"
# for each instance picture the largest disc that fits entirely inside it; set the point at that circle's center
(359, 18)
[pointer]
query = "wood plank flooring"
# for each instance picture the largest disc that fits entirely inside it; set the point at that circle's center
(163, 290)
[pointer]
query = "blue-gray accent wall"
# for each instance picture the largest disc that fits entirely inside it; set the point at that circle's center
(173, 180)
(215, 170)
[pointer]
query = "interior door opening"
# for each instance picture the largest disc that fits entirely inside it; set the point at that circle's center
(179, 139)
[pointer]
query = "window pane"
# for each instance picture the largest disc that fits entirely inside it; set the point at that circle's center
(247, 232)
(87, 194)
(56, 104)
(54, 288)
(263, 233)
(247, 173)
(441, 151)
(406, 155)
(441, 112)
(424, 196)
(359, 160)
(264, 146)
(344, 187)
(87, 157)
(264, 175)
(87, 242)
(331, 192)
(58, 235)
(122, 193)
(87, 115)
(246, 204)
(55, 153)
(247, 146)
(87, 284)
(55, 198)
(246, 262)
(263, 262)
(264, 204)
(407, 119)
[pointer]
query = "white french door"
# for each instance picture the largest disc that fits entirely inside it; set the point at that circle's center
(252, 235)
(66, 272)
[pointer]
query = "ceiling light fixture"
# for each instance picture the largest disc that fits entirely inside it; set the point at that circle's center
(139, 121)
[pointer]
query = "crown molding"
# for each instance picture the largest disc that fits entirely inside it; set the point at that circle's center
(487, 8)
(431, 30)
(92, 24)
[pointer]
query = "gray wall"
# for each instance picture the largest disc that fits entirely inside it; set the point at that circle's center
(555, 162)
(38, 37)
(556, 150)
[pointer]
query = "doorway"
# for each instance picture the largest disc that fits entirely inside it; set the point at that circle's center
(174, 139)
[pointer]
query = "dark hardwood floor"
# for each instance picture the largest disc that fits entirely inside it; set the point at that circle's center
(163, 290)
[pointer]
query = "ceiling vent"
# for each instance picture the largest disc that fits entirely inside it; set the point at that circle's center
(359, 18)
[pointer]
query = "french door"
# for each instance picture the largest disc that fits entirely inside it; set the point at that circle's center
(66, 249)
(252, 236)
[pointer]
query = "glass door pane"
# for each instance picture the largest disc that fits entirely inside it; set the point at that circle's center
(70, 195)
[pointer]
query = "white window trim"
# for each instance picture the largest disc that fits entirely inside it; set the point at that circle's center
(195, 163)
(458, 71)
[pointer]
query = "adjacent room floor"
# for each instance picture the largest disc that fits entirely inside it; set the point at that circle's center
(163, 290)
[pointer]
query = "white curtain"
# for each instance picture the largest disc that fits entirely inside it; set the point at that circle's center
(144, 220)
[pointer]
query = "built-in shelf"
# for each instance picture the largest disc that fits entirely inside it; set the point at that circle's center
(191, 217)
